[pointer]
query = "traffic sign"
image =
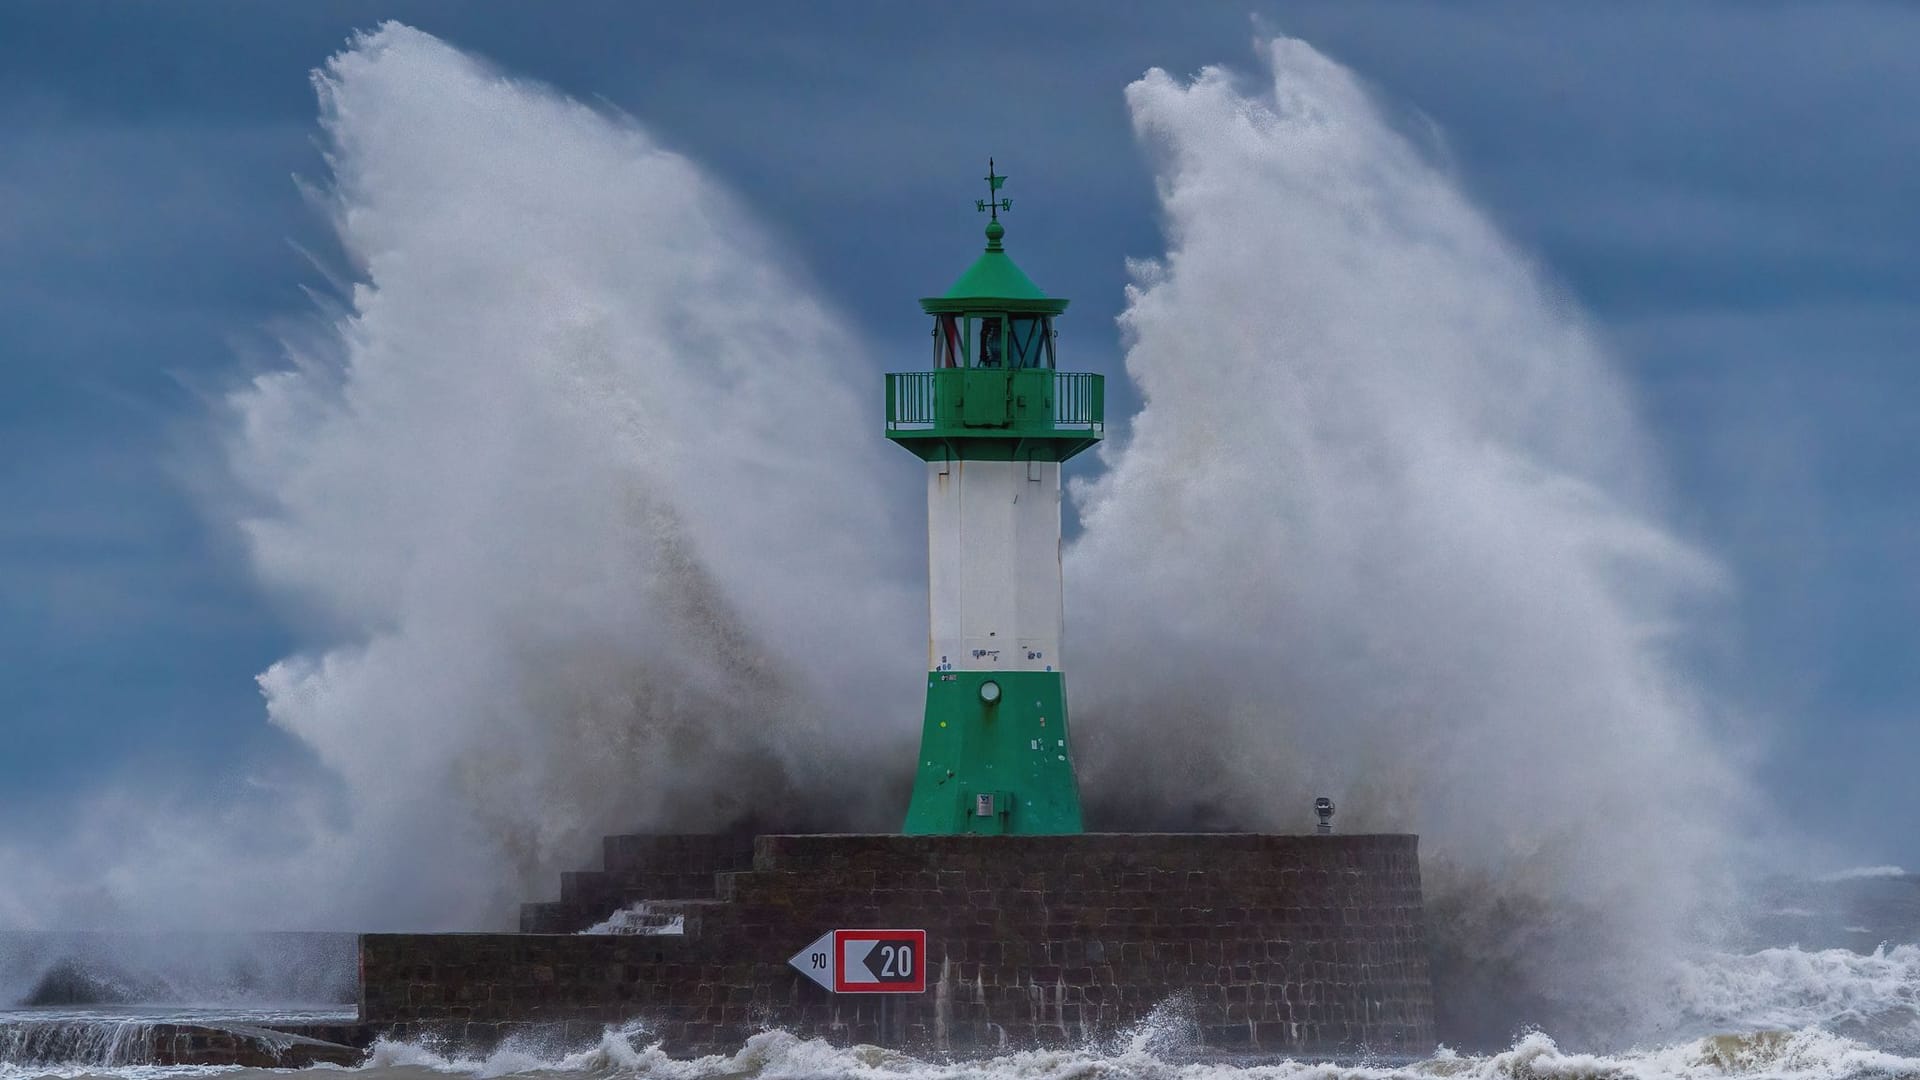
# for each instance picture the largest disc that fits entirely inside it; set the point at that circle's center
(866, 961)
(880, 962)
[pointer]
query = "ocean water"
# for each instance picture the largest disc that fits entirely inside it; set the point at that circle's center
(1389, 527)
(1822, 1016)
(1160, 1050)
(1784, 1011)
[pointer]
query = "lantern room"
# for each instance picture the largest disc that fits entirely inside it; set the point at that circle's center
(993, 383)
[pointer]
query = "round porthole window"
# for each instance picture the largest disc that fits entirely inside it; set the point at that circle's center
(990, 692)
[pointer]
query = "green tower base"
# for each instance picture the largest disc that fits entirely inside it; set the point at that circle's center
(995, 768)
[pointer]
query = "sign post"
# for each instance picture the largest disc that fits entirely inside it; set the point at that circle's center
(866, 961)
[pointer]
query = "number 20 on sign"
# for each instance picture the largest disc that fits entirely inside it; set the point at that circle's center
(866, 961)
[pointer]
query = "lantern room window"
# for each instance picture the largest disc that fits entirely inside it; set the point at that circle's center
(1030, 341)
(992, 349)
(948, 346)
(993, 341)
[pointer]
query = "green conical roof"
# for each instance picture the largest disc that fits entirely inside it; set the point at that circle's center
(994, 282)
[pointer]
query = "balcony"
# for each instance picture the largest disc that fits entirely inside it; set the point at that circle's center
(1000, 413)
(986, 401)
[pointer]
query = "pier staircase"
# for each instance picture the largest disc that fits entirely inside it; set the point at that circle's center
(673, 874)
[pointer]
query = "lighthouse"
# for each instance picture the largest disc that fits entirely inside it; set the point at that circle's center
(993, 419)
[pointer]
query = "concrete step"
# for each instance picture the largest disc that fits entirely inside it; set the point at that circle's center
(636, 867)
(584, 886)
(546, 917)
(676, 854)
(552, 918)
(598, 887)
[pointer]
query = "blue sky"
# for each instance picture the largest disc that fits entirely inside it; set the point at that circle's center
(1727, 189)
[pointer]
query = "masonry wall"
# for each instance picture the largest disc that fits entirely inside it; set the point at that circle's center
(1291, 944)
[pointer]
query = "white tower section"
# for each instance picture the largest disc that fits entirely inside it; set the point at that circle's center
(993, 575)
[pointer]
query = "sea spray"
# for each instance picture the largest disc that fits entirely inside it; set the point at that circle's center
(1797, 1016)
(1872, 996)
(544, 483)
(229, 967)
(573, 496)
(1162, 1049)
(1384, 530)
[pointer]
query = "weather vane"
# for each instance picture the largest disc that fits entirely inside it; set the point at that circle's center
(991, 204)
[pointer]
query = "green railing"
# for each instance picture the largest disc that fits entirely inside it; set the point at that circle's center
(1079, 401)
(986, 402)
(911, 400)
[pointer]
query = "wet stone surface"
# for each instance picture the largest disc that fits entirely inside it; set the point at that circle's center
(1286, 944)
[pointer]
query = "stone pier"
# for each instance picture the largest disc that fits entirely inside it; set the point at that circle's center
(1306, 945)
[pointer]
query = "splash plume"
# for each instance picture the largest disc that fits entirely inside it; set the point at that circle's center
(534, 481)
(1384, 531)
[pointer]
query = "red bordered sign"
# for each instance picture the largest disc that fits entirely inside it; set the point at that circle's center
(867, 961)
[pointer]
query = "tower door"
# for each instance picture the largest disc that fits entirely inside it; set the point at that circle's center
(987, 400)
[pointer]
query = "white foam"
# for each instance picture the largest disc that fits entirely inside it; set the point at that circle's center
(1768, 1014)
(542, 477)
(1858, 873)
(1385, 530)
(1159, 1052)
(1875, 993)
(531, 490)
(640, 918)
